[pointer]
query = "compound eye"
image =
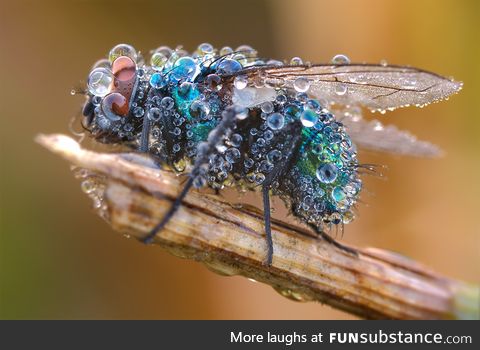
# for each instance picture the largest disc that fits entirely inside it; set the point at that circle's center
(88, 112)
(115, 106)
(124, 70)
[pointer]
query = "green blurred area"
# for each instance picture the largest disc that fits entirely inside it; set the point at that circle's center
(59, 260)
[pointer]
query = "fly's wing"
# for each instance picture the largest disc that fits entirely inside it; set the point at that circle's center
(377, 87)
(373, 135)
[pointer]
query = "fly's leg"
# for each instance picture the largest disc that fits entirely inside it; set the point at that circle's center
(291, 137)
(332, 241)
(178, 201)
(268, 229)
(205, 149)
(144, 138)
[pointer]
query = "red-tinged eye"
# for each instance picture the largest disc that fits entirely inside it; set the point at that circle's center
(124, 70)
(115, 106)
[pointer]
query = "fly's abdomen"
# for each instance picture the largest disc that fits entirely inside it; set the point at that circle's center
(323, 184)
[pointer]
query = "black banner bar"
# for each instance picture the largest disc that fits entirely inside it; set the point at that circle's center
(240, 334)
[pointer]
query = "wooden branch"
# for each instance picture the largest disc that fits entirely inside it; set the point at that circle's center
(230, 240)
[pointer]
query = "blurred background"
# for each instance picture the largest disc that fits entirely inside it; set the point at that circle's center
(59, 260)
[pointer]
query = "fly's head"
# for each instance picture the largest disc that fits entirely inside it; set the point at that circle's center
(113, 93)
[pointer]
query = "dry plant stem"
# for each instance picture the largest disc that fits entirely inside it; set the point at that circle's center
(230, 240)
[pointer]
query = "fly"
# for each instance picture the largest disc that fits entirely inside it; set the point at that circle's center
(231, 119)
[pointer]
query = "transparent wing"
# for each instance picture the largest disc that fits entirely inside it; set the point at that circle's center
(373, 135)
(377, 87)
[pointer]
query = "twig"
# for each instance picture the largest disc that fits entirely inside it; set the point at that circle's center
(229, 239)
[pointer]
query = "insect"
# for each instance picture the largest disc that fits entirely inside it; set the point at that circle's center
(228, 118)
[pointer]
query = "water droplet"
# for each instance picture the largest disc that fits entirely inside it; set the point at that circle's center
(338, 194)
(157, 81)
(232, 155)
(158, 60)
(167, 103)
(241, 113)
(275, 121)
(240, 82)
(248, 162)
(214, 82)
(154, 114)
(274, 156)
(267, 107)
(348, 217)
(301, 84)
(185, 68)
(340, 59)
(122, 50)
(384, 63)
(138, 112)
(88, 186)
(296, 61)
(205, 48)
(327, 173)
(341, 89)
(199, 109)
(377, 126)
(309, 118)
(99, 81)
(225, 50)
(281, 99)
(259, 178)
(236, 140)
(228, 66)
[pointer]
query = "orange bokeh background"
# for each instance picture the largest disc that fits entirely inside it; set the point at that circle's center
(59, 260)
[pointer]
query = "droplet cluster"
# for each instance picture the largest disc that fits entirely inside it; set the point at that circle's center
(281, 137)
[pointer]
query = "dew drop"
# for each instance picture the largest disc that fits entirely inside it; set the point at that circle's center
(205, 48)
(267, 107)
(167, 102)
(158, 60)
(276, 121)
(338, 194)
(232, 155)
(327, 173)
(99, 81)
(240, 82)
(88, 186)
(199, 109)
(229, 66)
(157, 81)
(274, 156)
(308, 118)
(259, 178)
(214, 82)
(154, 114)
(236, 140)
(301, 84)
(296, 61)
(241, 113)
(122, 50)
(340, 59)
(138, 112)
(341, 89)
